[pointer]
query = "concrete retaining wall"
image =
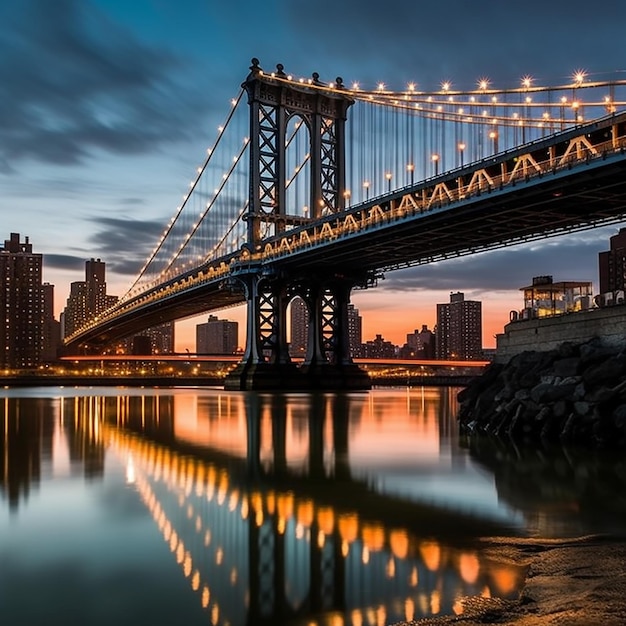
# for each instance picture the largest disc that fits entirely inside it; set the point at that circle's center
(547, 333)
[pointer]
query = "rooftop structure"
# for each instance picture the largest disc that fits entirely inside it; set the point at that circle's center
(544, 297)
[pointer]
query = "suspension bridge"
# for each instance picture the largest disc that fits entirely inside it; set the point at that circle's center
(314, 189)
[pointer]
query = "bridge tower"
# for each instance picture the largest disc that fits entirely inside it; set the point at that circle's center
(276, 103)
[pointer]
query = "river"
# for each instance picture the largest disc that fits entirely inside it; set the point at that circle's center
(190, 506)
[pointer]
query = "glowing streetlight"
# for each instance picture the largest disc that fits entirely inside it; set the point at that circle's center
(435, 159)
(493, 135)
(410, 168)
(388, 176)
(462, 147)
(366, 186)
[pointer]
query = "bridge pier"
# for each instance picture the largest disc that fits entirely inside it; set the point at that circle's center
(328, 364)
(266, 364)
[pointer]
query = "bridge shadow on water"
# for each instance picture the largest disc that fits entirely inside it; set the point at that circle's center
(299, 508)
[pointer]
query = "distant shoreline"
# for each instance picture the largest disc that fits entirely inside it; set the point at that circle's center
(203, 381)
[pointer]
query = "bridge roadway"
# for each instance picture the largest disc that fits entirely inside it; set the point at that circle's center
(573, 180)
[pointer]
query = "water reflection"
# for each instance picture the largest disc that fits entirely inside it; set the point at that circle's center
(312, 509)
(560, 491)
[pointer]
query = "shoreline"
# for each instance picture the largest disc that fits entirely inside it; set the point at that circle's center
(201, 381)
(569, 582)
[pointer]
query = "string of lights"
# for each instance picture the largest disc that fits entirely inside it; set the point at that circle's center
(394, 140)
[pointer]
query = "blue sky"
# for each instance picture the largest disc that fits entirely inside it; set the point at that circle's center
(107, 107)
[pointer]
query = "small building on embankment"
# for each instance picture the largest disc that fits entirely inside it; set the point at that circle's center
(558, 312)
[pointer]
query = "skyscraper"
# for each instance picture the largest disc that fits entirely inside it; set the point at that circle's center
(217, 336)
(300, 329)
(355, 330)
(22, 304)
(87, 298)
(162, 338)
(612, 264)
(459, 329)
(51, 327)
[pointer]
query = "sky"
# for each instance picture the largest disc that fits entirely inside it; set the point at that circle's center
(107, 108)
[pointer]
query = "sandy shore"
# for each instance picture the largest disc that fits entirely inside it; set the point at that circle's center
(579, 582)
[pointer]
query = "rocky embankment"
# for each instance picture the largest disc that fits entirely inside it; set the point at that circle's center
(574, 394)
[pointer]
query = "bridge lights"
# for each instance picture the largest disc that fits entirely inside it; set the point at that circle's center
(410, 168)
(493, 135)
(609, 105)
(366, 186)
(462, 147)
(435, 159)
(526, 82)
(388, 176)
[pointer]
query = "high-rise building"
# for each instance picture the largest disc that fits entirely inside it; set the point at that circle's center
(300, 329)
(459, 329)
(355, 330)
(87, 298)
(22, 304)
(51, 327)
(299, 315)
(420, 344)
(217, 336)
(95, 272)
(612, 264)
(155, 340)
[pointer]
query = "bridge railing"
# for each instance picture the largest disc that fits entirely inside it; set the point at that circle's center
(436, 193)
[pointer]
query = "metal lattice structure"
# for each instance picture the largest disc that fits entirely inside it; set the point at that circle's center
(273, 105)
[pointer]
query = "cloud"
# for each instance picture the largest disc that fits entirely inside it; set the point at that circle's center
(458, 40)
(74, 82)
(124, 243)
(571, 257)
(64, 262)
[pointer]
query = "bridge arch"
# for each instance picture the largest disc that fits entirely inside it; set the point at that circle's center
(298, 166)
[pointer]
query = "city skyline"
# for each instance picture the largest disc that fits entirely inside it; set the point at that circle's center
(101, 140)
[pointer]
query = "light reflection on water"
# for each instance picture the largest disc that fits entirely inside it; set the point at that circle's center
(198, 506)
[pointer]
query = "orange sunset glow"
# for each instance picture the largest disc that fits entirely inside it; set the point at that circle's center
(388, 313)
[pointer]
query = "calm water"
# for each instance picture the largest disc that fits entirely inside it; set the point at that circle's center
(195, 506)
